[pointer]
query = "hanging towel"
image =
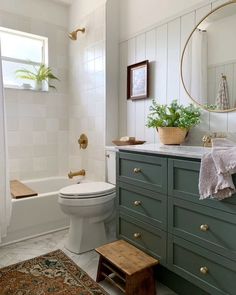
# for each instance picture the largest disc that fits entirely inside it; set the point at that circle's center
(222, 100)
(217, 167)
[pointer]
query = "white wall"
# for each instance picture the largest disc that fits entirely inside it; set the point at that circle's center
(138, 15)
(222, 50)
(82, 8)
(44, 10)
(87, 91)
(162, 46)
(37, 122)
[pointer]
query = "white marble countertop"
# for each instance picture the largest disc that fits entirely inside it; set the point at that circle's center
(195, 152)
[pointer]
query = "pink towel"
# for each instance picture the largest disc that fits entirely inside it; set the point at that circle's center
(217, 167)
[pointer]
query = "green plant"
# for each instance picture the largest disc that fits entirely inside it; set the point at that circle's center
(39, 74)
(174, 115)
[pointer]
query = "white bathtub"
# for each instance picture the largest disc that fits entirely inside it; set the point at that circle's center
(38, 215)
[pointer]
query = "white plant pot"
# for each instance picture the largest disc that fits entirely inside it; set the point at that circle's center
(41, 85)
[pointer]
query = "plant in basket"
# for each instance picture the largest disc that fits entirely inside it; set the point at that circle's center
(173, 121)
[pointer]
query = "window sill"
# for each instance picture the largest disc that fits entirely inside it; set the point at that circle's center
(15, 87)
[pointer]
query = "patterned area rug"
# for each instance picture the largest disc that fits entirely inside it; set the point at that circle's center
(51, 274)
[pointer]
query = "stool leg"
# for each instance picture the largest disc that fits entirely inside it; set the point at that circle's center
(141, 283)
(100, 277)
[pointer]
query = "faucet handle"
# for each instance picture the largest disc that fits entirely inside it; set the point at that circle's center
(206, 139)
(83, 141)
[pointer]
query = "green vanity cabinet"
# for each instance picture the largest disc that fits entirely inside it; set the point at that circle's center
(183, 183)
(207, 227)
(144, 236)
(211, 272)
(159, 211)
(144, 171)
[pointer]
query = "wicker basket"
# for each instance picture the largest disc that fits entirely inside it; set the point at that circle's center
(172, 135)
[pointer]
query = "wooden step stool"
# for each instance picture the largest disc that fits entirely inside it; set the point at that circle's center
(126, 267)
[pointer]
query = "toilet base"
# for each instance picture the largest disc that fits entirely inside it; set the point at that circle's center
(85, 235)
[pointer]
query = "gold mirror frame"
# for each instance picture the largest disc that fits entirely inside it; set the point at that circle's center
(182, 58)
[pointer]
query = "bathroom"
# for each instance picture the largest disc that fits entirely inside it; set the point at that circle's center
(43, 127)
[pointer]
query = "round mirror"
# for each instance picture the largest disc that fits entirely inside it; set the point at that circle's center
(208, 63)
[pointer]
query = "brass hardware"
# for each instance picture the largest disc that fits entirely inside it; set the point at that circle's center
(206, 140)
(204, 270)
(204, 227)
(77, 173)
(73, 35)
(137, 235)
(83, 141)
(137, 203)
(137, 170)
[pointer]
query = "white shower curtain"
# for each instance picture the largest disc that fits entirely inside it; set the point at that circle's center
(199, 66)
(5, 197)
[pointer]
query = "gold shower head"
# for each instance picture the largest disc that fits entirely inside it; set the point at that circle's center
(73, 35)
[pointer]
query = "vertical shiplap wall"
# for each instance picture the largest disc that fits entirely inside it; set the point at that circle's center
(163, 46)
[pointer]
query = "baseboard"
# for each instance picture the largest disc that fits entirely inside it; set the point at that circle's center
(177, 283)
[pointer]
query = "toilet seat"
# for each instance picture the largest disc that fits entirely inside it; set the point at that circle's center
(87, 190)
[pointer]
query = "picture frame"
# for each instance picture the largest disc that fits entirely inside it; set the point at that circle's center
(138, 80)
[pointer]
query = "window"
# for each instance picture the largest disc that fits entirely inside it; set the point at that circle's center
(21, 50)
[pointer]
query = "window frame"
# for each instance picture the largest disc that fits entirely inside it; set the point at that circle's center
(23, 62)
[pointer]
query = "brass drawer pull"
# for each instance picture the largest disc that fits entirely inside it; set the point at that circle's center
(204, 227)
(137, 235)
(137, 170)
(204, 270)
(137, 203)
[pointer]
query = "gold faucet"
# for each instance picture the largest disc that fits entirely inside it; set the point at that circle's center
(77, 173)
(206, 140)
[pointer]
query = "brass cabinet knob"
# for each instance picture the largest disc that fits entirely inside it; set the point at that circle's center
(204, 227)
(137, 170)
(204, 270)
(137, 203)
(137, 235)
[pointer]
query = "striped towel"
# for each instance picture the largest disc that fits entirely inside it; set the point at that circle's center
(222, 100)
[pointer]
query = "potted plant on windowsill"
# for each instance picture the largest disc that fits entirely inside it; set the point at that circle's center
(41, 75)
(174, 121)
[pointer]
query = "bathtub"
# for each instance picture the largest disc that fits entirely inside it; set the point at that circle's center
(38, 215)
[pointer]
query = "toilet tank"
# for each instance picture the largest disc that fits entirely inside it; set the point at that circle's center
(111, 166)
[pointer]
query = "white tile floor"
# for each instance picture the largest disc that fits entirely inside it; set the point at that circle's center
(37, 246)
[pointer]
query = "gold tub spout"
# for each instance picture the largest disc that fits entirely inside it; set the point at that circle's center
(77, 173)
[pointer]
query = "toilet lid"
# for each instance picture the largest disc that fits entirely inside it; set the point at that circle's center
(87, 190)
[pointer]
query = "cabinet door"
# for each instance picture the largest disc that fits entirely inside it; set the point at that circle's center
(208, 227)
(183, 178)
(144, 236)
(149, 172)
(146, 206)
(209, 271)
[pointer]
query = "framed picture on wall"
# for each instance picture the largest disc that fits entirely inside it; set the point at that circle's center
(138, 80)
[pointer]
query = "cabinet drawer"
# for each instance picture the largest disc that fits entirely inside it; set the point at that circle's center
(183, 178)
(149, 172)
(146, 237)
(205, 226)
(192, 261)
(146, 206)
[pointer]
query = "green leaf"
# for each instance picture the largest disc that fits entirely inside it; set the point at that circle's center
(174, 115)
(40, 73)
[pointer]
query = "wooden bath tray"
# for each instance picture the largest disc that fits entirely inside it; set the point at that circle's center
(20, 190)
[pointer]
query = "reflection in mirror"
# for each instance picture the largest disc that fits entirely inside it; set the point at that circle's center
(208, 66)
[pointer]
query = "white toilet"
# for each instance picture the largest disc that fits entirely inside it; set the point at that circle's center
(88, 204)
